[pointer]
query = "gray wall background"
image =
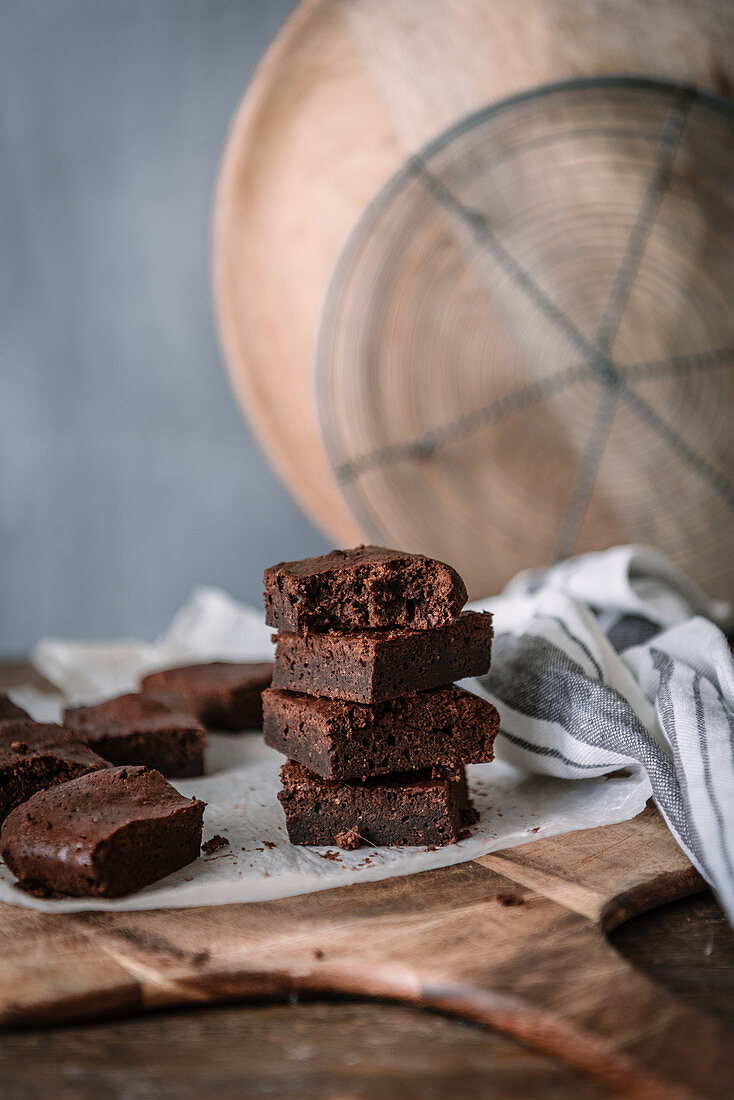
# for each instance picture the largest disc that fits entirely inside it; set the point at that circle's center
(126, 472)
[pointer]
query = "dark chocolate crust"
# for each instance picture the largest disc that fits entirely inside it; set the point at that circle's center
(368, 586)
(447, 727)
(142, 729)
(34, 756)
(11, 712)
(104, 835)
(224, 695)
(371, 666)
(414, 808)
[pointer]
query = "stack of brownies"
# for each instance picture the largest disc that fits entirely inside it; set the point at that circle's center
(363, 703)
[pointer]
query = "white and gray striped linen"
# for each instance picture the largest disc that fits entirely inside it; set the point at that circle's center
(613, 660)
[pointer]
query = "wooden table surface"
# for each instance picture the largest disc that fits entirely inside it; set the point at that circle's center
(343, 1049)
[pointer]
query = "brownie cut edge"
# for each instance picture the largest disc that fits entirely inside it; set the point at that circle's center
(368, 586)
(106, 834)
(224, 695)
(37, 755)
(371, 666)
(413, 808)
(141, 729)
(335, 739)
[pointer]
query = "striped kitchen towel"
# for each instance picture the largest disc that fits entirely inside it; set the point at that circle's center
(614, 660)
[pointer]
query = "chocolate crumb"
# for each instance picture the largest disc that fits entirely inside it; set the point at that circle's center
(334, 856)
(349, 839)
(214, 844)
(509, 899)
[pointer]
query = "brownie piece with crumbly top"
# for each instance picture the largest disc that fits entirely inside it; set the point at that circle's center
(104, 835)
(369, 586)
(142, 729)
(224, 695)
(444, 727)
(413, 808)
(370, 666)
(35, 755)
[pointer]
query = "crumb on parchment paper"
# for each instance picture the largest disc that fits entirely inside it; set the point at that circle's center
(214, 844)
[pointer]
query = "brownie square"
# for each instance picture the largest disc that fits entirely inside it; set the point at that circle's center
(34, 756)
(414, 808)
(141, 729)
(338, 740)
(104, 835)
(368, 586)
(224, 695)
(370, 666)
(11, 712)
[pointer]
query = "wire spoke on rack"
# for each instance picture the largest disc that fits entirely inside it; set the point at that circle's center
(483, 234)
(435, 438)
(680, 364)
(678, 444)
(586, 474)
(656, 188)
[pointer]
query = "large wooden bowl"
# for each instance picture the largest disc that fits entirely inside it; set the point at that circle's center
(346, 93)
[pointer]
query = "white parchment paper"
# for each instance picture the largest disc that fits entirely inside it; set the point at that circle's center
(242, 782)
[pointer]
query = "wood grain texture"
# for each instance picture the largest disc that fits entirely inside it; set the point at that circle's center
(315, 1049)
(467, 940)
(591, 873)
(687, 946)
(345, 93)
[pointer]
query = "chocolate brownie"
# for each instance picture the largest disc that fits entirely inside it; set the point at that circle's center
(370, 666)
(103, 835)
(365, 587)
(339, 740)
(34, 756)
(224, 695)
(141, 729)
(412, 808)
(11, 712)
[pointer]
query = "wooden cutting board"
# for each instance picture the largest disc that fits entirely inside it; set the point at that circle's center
(515, 941)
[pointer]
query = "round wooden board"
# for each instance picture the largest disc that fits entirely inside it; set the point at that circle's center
(346, 92)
